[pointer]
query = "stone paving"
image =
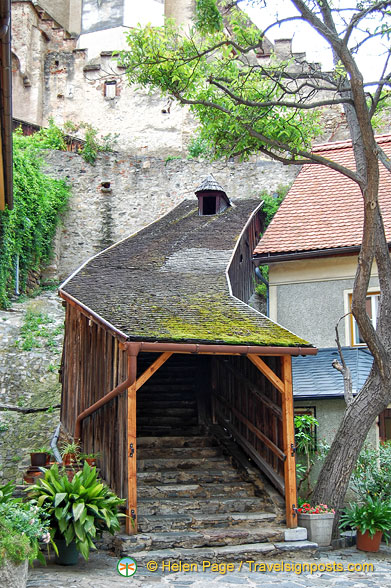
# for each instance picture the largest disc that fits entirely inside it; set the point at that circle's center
(100, 572)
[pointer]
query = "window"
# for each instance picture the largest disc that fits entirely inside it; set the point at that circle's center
(110, 89)
(372, 303)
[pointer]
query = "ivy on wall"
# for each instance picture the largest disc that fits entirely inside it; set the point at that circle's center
(28, 230)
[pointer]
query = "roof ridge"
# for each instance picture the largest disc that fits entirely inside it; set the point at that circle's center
(332, 145)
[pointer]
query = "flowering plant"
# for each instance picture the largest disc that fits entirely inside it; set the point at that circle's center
(306, 508)
(23, 525)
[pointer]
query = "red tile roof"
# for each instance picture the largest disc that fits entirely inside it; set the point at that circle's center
(324, 209)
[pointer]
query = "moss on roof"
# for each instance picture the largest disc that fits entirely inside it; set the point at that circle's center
(168, 283)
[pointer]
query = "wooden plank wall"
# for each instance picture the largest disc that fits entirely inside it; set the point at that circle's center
(92, 366)
(241, 270)
(247, 404)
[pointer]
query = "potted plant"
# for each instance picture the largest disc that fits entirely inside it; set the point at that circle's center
(22, 527)
(90, 458)
(318, 520)
(70, 453)
(39, 457)
(78, 510)
(372, 519)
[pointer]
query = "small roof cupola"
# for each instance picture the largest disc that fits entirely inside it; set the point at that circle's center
(211, 197)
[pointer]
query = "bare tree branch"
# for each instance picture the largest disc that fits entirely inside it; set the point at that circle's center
(343, 368)
(4, 407)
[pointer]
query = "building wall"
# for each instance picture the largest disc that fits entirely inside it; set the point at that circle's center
(329, 413)
(310, 296)
(141, 190)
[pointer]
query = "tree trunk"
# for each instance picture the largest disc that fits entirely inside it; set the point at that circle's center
(358, 418)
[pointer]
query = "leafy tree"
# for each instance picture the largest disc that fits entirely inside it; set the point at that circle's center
(245, 105)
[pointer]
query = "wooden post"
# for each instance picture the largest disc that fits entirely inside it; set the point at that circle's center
(131, 520)
(289, 442)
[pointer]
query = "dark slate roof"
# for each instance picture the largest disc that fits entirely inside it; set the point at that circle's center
(168, 282)
(314, 376)
(209, 184)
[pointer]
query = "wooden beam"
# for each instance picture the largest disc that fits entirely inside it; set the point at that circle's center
(253, 388)
(152, 369)
(267, 372)
(288, 428)
(261, 436)
(253, 453)
(131, 520)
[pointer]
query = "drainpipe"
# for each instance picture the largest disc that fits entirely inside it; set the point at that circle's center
(17, 275)
(259, 275)
(132, 351)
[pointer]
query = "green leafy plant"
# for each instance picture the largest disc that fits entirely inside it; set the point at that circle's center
(77, 509)
(271, 203)
(23, 525)
(372, 515)
(93, 144)
(307, 451)
(372, 474)
(27, 231)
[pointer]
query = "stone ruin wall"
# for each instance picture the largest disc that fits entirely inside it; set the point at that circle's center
(141, 190)
(53, 78)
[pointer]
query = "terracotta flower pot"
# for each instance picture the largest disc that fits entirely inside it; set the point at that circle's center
(367, 543)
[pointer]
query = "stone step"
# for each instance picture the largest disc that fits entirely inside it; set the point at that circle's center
(167, 431)
(166, 442)
(230, 553)
(173, 421)
(187, 477)
(208, 537)
(161, 402)
(176, 522)
(154, 412)
(237, 489)
(205, 505)
(182, 463)
(178, 386)
(177, 452)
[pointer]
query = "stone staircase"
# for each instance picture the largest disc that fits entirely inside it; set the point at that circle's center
(193, 503)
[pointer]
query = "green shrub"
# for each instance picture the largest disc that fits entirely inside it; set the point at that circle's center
(78, 509)
(372, 474)
(372, 515)
(28, 230)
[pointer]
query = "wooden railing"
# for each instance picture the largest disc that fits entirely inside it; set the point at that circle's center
(249, 407)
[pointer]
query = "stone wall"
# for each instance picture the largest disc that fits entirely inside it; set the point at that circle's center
(141, 190)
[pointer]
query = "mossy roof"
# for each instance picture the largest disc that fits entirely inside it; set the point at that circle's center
(168, 282)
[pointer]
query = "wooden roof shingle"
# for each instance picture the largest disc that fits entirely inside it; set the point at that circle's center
(168, 283)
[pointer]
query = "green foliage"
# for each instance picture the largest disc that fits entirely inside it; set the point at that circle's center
(372, 515)
(271, 203)
(305, 439)
(93, 143)
(199, 147)
(36, 330)
(22, 526)
(28, 230)
(208, 18)
(78, 509)
(51, 137)
(235, 105)
(13, 546)
(372, 474)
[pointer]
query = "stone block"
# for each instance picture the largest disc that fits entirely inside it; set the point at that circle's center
(298, 534)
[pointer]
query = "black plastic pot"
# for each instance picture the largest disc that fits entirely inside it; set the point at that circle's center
(38, 459)
(68, 555)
